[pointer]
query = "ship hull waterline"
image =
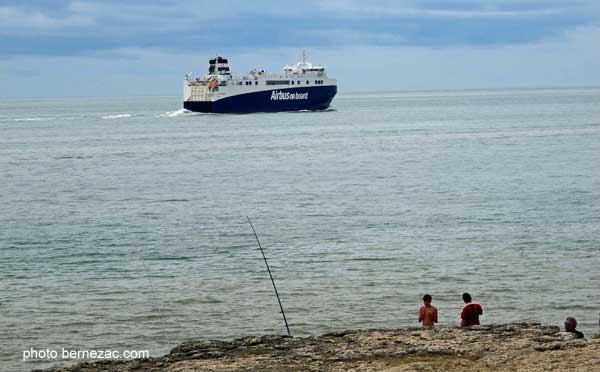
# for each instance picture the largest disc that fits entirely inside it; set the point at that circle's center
(310, 98)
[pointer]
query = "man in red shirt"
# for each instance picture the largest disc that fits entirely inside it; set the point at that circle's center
(428, 314)
(470, 312)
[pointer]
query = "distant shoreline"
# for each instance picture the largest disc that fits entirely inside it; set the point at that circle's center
(341, 92)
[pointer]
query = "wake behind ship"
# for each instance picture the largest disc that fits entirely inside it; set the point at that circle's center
(302, 86)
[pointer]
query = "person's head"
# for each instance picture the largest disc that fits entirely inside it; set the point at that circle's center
(427, 299)
(570, 324)
(466, 298)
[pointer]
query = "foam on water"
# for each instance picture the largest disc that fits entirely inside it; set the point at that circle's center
(34, 119)
(180, 112)
(117, 116)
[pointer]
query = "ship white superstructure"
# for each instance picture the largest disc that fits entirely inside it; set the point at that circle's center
(300, 86)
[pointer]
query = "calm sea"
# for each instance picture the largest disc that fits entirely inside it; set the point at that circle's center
(123, 222)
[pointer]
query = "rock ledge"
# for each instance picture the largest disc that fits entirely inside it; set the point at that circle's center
(504, 347)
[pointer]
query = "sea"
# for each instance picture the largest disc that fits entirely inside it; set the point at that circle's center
(124, 221)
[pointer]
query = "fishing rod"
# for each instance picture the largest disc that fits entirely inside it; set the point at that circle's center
(271, 276)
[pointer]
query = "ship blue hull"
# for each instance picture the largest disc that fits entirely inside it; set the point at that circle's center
(276, 100)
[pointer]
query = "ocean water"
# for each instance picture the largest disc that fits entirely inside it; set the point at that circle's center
(123, 221)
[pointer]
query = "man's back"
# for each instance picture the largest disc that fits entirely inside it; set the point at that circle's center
(470, 314)
(428, 315)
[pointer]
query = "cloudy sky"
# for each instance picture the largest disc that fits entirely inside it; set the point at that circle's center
(51, 48)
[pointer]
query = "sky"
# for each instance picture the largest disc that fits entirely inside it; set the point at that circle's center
(58, 48)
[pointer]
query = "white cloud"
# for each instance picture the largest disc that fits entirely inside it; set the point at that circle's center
(568, 61)
(17, 21)
(408, 9)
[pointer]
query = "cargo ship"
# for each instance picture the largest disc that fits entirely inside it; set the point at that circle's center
(302, 86)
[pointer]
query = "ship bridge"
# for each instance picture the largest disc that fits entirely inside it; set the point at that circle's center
(218, 66)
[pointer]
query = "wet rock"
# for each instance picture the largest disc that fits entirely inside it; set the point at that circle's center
(548, 346)
(338, 334)
(578, 342)
(548, 330)
(194, 347)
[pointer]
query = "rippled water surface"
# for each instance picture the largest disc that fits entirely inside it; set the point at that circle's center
(123, 220)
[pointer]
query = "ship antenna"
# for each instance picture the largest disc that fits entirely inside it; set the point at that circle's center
(271, 276)
(303, 55)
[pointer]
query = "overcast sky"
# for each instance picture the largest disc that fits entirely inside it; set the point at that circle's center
(52, 48)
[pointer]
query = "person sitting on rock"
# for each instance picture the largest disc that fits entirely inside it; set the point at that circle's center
(570, 325)
(428, 314)
(470, 312)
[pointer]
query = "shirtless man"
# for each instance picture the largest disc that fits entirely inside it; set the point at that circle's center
(428, 314)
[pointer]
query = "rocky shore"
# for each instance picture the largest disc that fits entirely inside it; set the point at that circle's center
(505, 347)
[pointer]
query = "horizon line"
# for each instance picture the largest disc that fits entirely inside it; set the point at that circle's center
(349, 92)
